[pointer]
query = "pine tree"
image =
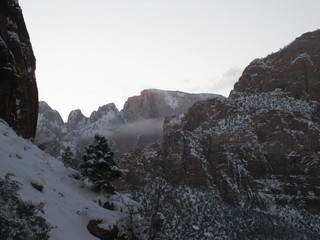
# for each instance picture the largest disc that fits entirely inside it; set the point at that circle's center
(67, 157)
(98, 165)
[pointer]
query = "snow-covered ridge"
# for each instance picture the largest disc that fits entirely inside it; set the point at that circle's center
(69, 206)
(249, 106)
(275, 100)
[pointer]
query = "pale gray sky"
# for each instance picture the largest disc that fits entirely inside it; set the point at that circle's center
(90, 53)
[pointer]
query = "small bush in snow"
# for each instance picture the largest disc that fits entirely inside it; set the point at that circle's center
(19, 220)
(68, 158)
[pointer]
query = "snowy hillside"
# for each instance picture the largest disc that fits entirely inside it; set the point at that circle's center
(69, 205)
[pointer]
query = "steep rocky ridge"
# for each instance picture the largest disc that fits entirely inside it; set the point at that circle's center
(137, 125)
(144, 116)
(55, 135)
(294, 69)
(50, 127)
(18, 88)
(154, 103)
(259, 147)
(76, 119)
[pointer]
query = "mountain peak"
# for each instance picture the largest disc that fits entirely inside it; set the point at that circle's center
(293, 69)
(155, 103)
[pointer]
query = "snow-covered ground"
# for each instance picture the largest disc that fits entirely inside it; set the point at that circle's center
(69, 205)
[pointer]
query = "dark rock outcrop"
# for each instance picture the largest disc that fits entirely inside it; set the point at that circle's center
(101, 233)
(18, 88)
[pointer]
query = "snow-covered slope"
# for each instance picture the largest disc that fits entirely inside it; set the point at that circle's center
(69, 205)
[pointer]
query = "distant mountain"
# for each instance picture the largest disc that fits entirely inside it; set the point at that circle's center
(154, 103)
(144, 116)
(78, 131)
(139, 123)
(51, 125)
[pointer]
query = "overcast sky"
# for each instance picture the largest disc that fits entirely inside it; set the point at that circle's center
(90, 53)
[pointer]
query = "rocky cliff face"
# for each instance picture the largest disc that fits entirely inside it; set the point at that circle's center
(154, 103)
(139, 124)
(18, 89)
(259, 147)
(50, 128)
(78, 131)
(76, 119)
(145, 114)
(294, 69)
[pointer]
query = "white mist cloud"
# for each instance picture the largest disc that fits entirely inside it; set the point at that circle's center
(138, 134)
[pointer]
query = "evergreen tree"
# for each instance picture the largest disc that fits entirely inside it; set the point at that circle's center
(67, 157)
(98, 165)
